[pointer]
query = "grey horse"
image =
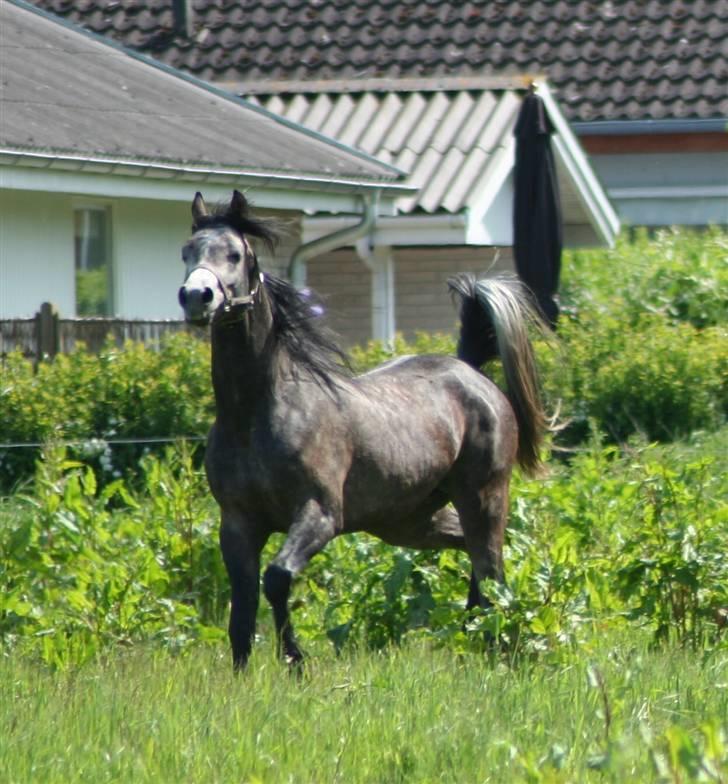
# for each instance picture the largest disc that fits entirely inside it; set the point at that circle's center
(418, 452)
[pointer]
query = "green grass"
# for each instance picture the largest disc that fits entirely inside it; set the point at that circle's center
(409, 714)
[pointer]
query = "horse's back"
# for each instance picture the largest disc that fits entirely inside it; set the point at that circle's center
(439, 380)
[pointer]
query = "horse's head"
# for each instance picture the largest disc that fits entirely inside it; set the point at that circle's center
(223, 277)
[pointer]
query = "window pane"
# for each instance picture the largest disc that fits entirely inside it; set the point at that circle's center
(93, 263)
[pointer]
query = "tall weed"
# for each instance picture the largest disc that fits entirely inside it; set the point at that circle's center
(84, 567)
(608, 540)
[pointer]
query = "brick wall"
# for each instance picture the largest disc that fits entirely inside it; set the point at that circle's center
(344, 282)
(422, 301)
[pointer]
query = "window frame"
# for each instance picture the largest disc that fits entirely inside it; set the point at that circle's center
(105, 207)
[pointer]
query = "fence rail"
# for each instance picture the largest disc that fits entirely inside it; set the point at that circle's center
(46, 334)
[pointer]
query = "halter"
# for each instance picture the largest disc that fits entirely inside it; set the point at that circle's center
(233, 308)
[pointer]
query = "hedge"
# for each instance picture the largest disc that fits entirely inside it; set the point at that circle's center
(640, 350)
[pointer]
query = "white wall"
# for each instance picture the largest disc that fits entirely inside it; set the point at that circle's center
(37, 263)
(36, 253)
(664, 189)
(148, 238)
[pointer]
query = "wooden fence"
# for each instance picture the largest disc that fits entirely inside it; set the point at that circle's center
(46, 334)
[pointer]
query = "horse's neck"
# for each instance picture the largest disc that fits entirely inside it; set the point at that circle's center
(242, 372)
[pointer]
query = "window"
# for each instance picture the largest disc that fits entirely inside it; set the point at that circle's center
(92, 239)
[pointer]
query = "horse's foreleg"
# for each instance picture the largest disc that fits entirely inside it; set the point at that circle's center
(241, 554)
(307, 536)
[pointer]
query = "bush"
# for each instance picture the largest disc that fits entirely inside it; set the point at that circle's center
(657, 379)
(677, 274)
(83, 568)
(126, 395)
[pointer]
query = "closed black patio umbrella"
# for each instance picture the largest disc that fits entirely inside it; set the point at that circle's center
(537, 223)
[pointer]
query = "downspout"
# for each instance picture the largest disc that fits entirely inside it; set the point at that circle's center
(380, 262)
(346, 236)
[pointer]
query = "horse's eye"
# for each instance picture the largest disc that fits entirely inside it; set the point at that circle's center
(234, 257)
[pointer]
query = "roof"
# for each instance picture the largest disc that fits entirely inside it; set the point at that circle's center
(71, 97)
(612, 60)
(449, 140)
(455, 137)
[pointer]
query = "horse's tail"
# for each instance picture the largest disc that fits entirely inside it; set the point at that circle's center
(494, 316)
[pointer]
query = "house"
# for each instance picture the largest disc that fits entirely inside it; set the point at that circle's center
(454, 135)
(101, 151)
(642, 84)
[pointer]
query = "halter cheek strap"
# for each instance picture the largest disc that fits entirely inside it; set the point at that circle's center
(235, 308)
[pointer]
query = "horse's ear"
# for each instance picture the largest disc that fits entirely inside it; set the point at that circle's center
(238, 204)
(199, 208)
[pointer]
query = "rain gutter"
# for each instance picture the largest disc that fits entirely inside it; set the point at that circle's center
(638, 127)
(109, 165)
(337, 239)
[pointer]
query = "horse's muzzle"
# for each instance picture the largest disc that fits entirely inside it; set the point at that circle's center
(196, 304)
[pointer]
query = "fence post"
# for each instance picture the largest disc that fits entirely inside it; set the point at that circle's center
(46, 332)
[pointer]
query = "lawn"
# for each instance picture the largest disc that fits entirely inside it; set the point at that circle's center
(618, 712)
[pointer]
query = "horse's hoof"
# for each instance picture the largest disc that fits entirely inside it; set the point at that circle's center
(294, 658)
(296, 665)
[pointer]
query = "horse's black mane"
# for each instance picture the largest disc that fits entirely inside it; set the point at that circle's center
(300, 328)
(241, 221)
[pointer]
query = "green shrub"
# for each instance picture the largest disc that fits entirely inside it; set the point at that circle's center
(678, 274)
(657, 379)
(641, 350)
(83, 567)
(643, 336)
(129, 394)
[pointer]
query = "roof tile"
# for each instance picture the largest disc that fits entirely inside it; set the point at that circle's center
(576, 43)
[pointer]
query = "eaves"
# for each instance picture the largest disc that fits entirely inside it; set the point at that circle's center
(112, 177)
(403, 230)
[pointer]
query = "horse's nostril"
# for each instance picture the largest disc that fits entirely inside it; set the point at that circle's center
(207, 295)
(182, 296)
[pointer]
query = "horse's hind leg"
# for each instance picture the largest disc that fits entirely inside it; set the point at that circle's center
(306, 537)
(483, 516)
(475, 597)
